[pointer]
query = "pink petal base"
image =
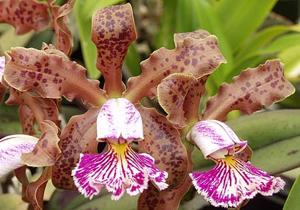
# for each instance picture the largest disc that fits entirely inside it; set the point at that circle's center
(119, 169)
(231, 181)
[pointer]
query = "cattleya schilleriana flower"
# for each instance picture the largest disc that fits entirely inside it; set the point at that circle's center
(231, 180)
(50, 74)
(120, 168)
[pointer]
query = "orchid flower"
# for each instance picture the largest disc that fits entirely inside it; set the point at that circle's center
(120, 168)
(49, 74)
(11, 149)
(231, 180)
(180, 95)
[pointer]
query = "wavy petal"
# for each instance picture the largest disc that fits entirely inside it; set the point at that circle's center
(120, 169)
(46, 151)
(231, 181)
(50, 74)
(63, 41)
(250, 91)
(24, 15)
(196, 53)
(113, 30)
(11, 149)
(119, 120)
(77, 137)
(215, 138)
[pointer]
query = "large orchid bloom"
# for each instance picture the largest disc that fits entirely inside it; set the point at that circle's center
(231, 180)
(120, 168)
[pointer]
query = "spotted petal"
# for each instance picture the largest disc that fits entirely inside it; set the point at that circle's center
(24, 15)
(119, 169)
(231, 181)
(11, 149)
(215, 138)
(253, 89)
(113, 30)
(118, 118)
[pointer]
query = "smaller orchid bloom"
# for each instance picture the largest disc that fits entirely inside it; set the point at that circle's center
(231, 180)
(119, 168)
(11, 149)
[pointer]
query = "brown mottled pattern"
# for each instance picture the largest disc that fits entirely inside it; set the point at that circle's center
(113, 30)
(170, 198)
(162, 141)
(63, 36)
(199, 34)
(198, 57)
(192, 101)
(171, 93)
(77, 137)
(27, 119)
(250, 91)
(46, 151)
(24, 15)
(50, 75)
(33, 109)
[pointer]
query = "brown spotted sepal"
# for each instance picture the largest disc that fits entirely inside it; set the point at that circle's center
(50, 74)
(33, 109)
(162, 141)
(24, 15)
(196, 53)
(179, 95)
(253, 89)
(63, 36)
(113, 30)
(79, 136)
(46, 151)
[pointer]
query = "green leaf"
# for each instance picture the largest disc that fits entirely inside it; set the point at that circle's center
(9, 39)
(242, 18)
(282, 43)
(292, 202)
(269, 127)
(12, 202)
(278, 157)
(66, 200)
(290, 58)
(132, 61)
(38, 39)
(9, 121)
(83, 11)
(164, 38)
(261, 39)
